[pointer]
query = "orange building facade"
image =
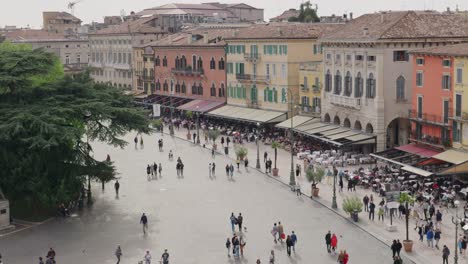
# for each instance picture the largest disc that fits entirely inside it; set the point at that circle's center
(432, 100)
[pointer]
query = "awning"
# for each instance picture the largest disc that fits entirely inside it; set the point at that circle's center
(452, 156)
(418, 150)
(248, 114)
(321, 129)
(417, 171)
(310, 126)
(200, 105)
(296, 121)
(344, 134)
(456, 170)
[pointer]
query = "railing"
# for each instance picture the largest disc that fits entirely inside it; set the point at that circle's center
(187, 71)
(253, 78)
(308, 109)
(428, 139)
(428, 118)
(76, 66)
(304, 88)
(345, 101)
(253, 57)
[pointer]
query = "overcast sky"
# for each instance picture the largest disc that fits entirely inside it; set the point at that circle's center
(29, 12)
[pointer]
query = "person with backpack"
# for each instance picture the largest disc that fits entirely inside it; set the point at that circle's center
(228, 247)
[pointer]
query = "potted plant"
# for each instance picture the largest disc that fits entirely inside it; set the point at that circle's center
(241, 152)
(275, 145)
(158, 124)
(213, 134)
(407, 199)
(315, 176)
(189, 115)
(353, 206)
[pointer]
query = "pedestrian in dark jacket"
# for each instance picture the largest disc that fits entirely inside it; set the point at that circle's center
(445, 254)
(394, 247)
(371, 210)
(289, 244)
(328, 241)
(399, 247)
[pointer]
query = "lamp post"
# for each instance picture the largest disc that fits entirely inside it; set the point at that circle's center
(258, 149)
(292, 179)
(334, 204)
(171, 124)
(456, 222)
(198, 125)
(87, 116)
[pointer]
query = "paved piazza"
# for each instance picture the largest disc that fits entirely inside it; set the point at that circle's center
(189, 216)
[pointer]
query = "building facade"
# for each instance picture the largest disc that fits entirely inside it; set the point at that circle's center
(310, 84)
(264, 61)
(368, 73)
(460, 95)
(60, 22)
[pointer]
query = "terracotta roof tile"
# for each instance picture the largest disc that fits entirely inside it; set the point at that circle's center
(141, 25)
(31, 35)
(286, 15)
(215, 38)
(449, 50)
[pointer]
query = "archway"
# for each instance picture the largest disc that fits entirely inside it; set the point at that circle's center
(357, 125)
(369, 128)
(326, 118)
(346, 123)
(336, 120)
(398, 132)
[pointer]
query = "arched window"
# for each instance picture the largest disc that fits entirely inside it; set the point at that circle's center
(370, 86)
(221, 90)
(177, 87)
(177, 62)
(145, 73)
(200, 89)
(348, 84)
(165, 86)
(357, 125)
(346, 123)
(183, 62)
(221, 64)
(336, 120)
(164, 61)
(200, 64)
(183, 88)
(212, 64)
(157, 62)
(194, 88)
(158, 86)
(400, 88)
(253, 93)
(369, 128)
(358, 86)
(213, 90)
(326, 118)
(328, 81)
(337, 87)
(153, 88)
(194, 62)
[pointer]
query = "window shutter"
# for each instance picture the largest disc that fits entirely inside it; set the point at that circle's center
(315, 49)
(264, 50)
(394, 55)
(406, 56)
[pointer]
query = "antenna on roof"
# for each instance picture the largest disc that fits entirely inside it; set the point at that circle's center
(71, 6)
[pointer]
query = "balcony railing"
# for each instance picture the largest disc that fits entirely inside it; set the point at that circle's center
(345, 101)
(430, 140)
(252, 57)
(187, 71)
(253, 78)
(428, 118)
(304, 88)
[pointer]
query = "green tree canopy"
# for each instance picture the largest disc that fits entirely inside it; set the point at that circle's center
(307, 14)
(46, 119)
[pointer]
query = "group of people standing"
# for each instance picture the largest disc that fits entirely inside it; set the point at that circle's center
(331, 241)
(153, 170)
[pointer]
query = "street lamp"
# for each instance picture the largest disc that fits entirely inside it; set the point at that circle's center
(334, 204)
(292, 179)
(456, 221)
(87, 116)
(198, 124)
(258, 149)
(171, 124)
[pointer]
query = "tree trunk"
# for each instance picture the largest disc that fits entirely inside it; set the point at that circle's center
(276, 154)
(407, 220)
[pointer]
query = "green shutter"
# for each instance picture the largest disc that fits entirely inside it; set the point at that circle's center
(286, 50)
(315, 49)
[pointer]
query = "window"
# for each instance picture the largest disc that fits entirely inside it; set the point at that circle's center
(158, 86)
(338, 57)
(200, 89)
(420, 61)
(221, 92)
(66, 46)
(194, 89)
(283, 71)
(183, 88)
(337, 88)
(273, 69)
(358, 86)
(230, 68)
(213, 90)
(183, 62)
(67, 59)
(316, 49)
(165, 86)
(267, 70)
(253, 94)
(459, 75)
(78, 59)
(419, 78)
(221, 64)
(400, 88)
(200, 64)
(348, 57)
(458, 105)
(177, 62)
(212, 64)
(157, 62)
(124, 58)
(371, 58)
(370, 86)
(328, 56)
(400, 55)
(446, 81)
(164, 61)
(305, 84)
(328, 81)
(194, 62)
(456, 132)
(359, 57)
(446, 63)
(348, 84)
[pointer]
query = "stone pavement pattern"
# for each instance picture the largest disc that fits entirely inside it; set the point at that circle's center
(189, 216)
(421, 253)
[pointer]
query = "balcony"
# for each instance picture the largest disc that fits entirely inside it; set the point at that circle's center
(310, 110)
(304, 88)
(252, 57)
(428, 118)
(121, 66)
(345, 101)
(250, 78)
(187, 71)
(433, 141)
(147, 78)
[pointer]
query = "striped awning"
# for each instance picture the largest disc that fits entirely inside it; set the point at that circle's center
(248, 114)
(296, 121)
(201, 106)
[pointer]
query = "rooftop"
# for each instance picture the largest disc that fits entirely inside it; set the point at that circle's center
(62, 15)
(140, 25)
(215, 37)
(401, 25)
(26, 35)
(284, 31)
(182, 9)
(449, 50)
(286, 15)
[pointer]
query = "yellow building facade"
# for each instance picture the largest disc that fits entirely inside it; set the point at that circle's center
(263, 65)
(460, 104)
(310, 87)
(143, 69)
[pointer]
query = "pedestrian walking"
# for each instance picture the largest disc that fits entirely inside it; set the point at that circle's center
(298, 189)
(421, 232)
(160, 170)
(231, 168)
(430, 238)
(212, 153)
(165, 257)
(274, 232)
(240, 219)
(289, 245)
(148, 171)
(272, 257)
(438, 219)
(371, 210)
(328, 241)
(228, 247)
(118, 253)
(236, 245)
(155, 169)
(246, 163)
(365, 200)
(233, 222)
(380, 213)
(397, 260)
(117, 187)
(265, 155)
(242, 244)
(340, 183)
(345, 257)
(41, 261)
(213, 169)
(298, 170)
(136, 141)
(209, 170)
(194, 138)
(294, 241)
(445, 254)
(437, 237)
(141, 142)
(147, 257)
(144, 222)
(393, 247)
(334, 243)
(228, 170)
(281, 232)
(238, 163)
(399, 247)
(341, 257)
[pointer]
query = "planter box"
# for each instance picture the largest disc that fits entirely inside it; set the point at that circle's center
(315, 192)
(189, 136)
(275, 171)
(354, 216)
(408, 245)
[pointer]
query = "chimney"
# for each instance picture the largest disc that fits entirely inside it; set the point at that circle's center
(189, 38)
(205, 37)
(366, 31)
(351, 16)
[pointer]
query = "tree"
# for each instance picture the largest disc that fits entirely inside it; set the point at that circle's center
(46, 119)
(307, 14)
(275, 145)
